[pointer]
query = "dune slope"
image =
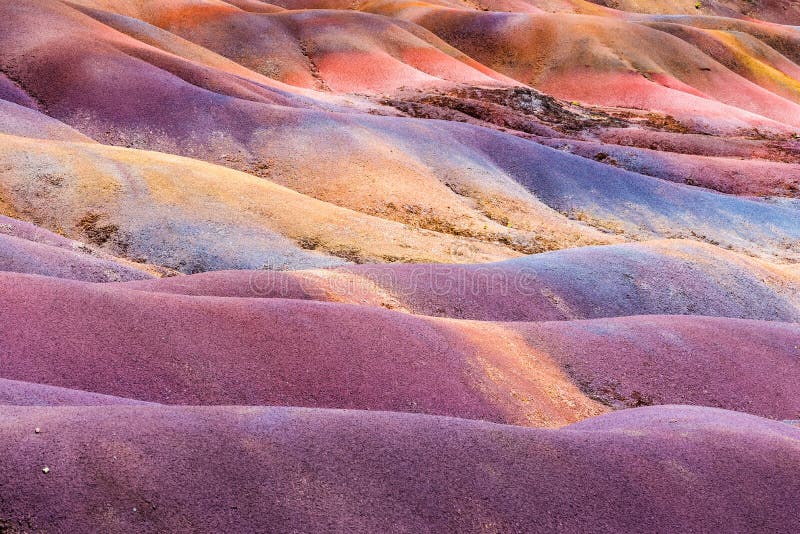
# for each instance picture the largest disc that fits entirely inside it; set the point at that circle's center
(156, 469)
(391, 266)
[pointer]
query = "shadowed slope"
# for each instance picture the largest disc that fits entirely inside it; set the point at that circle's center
(21, 256)
(748, 366)
(728, 175)
(25, 122)
(25, 248)
(787, 151)
(636, 205)
(169, 468)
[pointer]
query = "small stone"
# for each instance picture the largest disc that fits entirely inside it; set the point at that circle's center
(45, 470)
(37, 430)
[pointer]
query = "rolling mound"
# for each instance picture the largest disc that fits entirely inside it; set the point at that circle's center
(750, 56)
(779, 11)
(390, 266)
(15, 393)
(25, 248)
(534, 196)
(611, 62)
(19, 255)
(638, 361)
(786, 151)
(306, 49)
(143, 210)
(659, 277)
(187, 350)
(177, 349)
(26, 122)
(672, 277)
(453, 179)
(751, 177)
(155, 469)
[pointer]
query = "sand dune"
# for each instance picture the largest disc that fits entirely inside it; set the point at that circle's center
(728, 175)
(179, 349)
(25, 248)
(155, 469)
(227, 219)
(187, 350)
(780, 11)
(18, 255)
(673, 277)
(638, 361)
(307, 49)
(448, 178)
(665, 277)
(662, 277)
(15, 393)
(392, 266)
